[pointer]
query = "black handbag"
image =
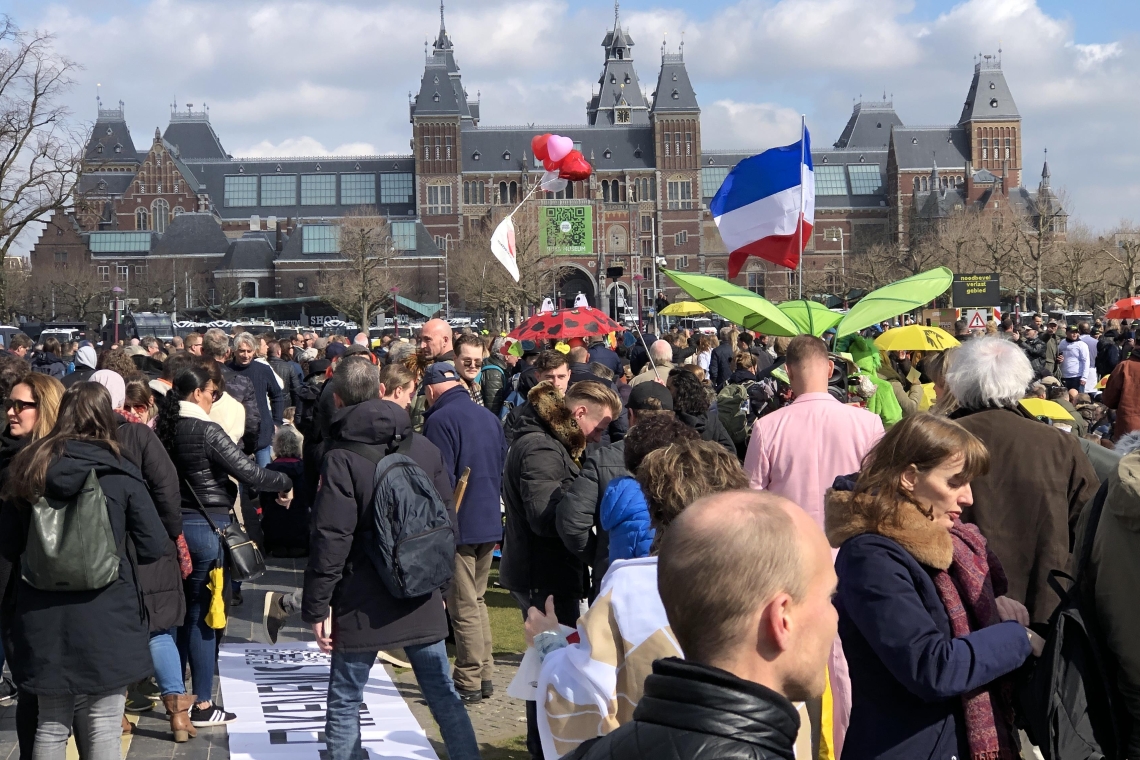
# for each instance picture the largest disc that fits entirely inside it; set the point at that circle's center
(246, 560)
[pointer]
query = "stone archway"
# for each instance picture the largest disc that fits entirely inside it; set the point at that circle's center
(572, 281)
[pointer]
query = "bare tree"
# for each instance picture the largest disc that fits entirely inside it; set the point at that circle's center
(876, 266)
(1079, 266)
(38, 148)
(362, 284)
(1124, 250)
(63, 293)
(1038, 239)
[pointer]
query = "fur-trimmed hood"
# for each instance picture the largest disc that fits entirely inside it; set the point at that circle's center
(928, 543)
(549, 412)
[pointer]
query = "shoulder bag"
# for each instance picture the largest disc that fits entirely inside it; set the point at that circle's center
(246, 561)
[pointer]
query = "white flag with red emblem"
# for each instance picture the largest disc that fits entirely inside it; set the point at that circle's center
(503, 246)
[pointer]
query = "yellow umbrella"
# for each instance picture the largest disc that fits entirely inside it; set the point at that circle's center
(929, 399)
(1040, 407)
(916, 338)
(685, 309)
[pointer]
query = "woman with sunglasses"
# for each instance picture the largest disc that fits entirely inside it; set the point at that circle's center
(205, 458)
(31, 406)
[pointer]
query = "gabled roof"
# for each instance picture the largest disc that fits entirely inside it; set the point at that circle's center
(100, 184)
(437, 93)
(192, 234)
(618, 85)
(923, 147)
(869, 126)
(192, 134)
(110, 140)
(674, 90)
(989, 98)
(252, 252)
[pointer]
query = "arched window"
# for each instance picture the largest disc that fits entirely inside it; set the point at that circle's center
(160, 213)
(917, 183)
(466, 193)
(502, 192)
(605, 191)
(141, 220)
(569, 189)
(514, 192)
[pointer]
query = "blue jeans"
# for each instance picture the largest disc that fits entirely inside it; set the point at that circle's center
(197, 642)
(349, 674)
(167, 663)
(264, 456)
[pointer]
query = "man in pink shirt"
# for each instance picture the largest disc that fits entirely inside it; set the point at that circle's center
(797, 452)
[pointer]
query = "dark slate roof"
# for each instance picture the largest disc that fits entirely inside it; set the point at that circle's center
(869, 126)
(852, 157)
(250, 252)
(941, 203)
(190, 234)
(989, 98)
(212, 174)
(674, 90)
(100, 184)
(437, 96)
(925, 147)
(618, 84)
(622, 142)
(194, 137)
(110, 131)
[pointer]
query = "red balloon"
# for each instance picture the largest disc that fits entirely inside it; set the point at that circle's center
(551, 166)
(575, 167)
(538, 146)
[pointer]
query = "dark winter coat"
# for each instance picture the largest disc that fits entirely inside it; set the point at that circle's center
(467, 435)
(739, 376)
(576, 516)
(290, 375)
(241, 389)
(908, 670)
(1107, 356)
(1028, 506)
(161, 581)
(541, 465)
(1034, 349)
(9, 448)
(205, 458)
(267, 395)
(287, 528)
(720, 365)
(493, 381)
(85, 642)
(80, 375)
(366, 617)
(604, 355)
(49, 364)
(697, 712)
(710, 427)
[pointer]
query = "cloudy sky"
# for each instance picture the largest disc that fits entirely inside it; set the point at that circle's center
(305, 78)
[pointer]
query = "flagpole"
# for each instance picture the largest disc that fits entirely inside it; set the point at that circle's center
(800, 221)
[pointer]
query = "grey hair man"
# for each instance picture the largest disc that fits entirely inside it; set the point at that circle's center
(216, 346)
(1027, 507)
(497, 368)
(266, 392)
(661, 352)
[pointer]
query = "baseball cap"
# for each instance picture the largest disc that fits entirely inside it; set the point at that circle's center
(1049, 380)
(639, 397)
(440, 372)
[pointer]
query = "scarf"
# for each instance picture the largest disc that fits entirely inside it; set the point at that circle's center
(193, 411)
(967, 590)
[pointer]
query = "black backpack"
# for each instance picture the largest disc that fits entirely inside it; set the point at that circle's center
(308, 394)
(412, 542)
(1068, 702)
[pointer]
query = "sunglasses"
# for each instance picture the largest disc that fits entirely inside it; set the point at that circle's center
(472, 362)
(15, 404)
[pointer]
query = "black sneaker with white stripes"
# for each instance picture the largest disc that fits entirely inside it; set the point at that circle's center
(210, 716)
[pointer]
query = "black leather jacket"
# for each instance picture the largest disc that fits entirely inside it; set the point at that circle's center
(697, 712)
(206, 457)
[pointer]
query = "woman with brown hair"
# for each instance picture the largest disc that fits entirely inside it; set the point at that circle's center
(928, 635)
(32, 405)
(77, 651)
(584, 679)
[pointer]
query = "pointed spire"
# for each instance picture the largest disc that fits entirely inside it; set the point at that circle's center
(617, 13)
(443, 42)
(1045, 177)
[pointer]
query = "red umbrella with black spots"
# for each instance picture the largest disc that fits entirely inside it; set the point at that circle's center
(579, 322)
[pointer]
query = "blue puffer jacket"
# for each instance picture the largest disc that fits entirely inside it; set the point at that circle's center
(625, 516)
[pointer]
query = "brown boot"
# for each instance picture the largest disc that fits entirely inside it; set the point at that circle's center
(177, 706)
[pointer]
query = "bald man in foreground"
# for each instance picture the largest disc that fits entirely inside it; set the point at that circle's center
(434, 346)
(746, 581)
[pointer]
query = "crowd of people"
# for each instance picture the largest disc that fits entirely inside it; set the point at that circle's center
(720, 546)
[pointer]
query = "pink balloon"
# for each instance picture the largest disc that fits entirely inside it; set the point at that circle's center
(558, 147)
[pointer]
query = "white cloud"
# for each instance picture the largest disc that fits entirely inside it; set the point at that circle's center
(293, 76)
(294, 147)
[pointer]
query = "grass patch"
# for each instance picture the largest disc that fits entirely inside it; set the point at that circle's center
(506, 749)
(507, 633)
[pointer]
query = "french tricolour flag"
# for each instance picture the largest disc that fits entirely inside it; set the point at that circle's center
(758, 209)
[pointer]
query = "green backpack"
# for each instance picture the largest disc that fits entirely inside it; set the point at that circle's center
(733, 408)
(71, 546)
